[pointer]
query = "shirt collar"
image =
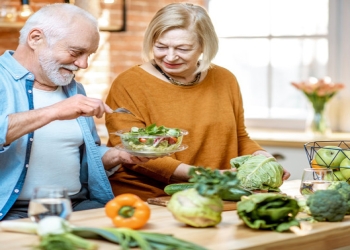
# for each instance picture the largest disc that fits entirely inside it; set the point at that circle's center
(16, 70)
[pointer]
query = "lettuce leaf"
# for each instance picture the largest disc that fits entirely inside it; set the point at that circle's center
(268, 211)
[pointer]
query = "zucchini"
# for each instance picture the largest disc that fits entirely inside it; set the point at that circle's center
(235, 194)
(176, 187)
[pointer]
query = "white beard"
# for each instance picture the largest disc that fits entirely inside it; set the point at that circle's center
(51, 69)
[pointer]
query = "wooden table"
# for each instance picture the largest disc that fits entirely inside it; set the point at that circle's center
(231, 233)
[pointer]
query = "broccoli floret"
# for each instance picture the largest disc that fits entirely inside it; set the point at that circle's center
(344, 189)
(327, 205)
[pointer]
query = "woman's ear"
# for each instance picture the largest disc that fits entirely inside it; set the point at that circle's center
(35, 38)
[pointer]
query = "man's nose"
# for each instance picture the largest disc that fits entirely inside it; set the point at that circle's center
(82, 62)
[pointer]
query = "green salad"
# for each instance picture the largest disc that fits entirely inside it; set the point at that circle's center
(153, 138)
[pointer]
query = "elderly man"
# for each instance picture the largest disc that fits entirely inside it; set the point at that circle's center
(47, 133)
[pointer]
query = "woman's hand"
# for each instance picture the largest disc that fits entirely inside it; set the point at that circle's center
(285, 175)
(181, 173)
(262, 152)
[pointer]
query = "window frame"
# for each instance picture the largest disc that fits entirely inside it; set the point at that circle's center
(338, 27)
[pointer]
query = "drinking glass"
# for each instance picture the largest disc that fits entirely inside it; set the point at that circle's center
(315, 179)
(49, 201)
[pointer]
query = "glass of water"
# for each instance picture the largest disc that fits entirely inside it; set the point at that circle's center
(49, 201)
(315, 179)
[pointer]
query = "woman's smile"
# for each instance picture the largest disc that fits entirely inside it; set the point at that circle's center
(172, 65)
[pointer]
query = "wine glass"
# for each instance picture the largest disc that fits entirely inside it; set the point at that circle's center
(49, 201)
(315, 179)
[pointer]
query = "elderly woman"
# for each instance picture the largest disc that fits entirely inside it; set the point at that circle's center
(179, 87)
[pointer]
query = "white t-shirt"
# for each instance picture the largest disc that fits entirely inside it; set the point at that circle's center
(55, 157)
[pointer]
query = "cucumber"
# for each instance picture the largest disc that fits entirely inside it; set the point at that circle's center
(235, 194)
(176, 187)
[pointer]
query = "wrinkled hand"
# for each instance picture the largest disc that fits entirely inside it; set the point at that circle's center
(114, 157)
(262, 152)
(285, 175)
(79, 105)
(125, 157)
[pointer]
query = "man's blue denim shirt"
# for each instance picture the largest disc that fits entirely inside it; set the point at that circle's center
(16, 95)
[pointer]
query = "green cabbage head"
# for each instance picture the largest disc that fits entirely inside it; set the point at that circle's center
(258, 172)
(193, 209)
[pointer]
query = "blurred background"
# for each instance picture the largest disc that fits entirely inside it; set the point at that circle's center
(267, 44)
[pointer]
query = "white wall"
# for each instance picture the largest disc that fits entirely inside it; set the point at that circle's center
(339, 61)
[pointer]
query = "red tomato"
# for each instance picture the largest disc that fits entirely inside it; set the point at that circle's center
(172, 140)
(143, 140)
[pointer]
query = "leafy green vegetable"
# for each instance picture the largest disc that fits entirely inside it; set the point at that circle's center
(229, 194)
(258, 172)
(327, 205)
(268, 211)
(209, 182)
(153, 138)
(153, 129)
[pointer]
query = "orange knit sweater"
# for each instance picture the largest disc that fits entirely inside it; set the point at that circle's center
(211, 111)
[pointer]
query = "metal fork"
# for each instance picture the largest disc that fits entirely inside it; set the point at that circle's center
(123, 110)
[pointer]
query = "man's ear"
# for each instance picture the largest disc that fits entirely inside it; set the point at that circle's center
(35, 38)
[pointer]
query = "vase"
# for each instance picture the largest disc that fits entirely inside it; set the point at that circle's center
(318, 122)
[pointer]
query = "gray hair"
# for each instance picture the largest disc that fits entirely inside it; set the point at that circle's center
(54, 20)
(183, 16)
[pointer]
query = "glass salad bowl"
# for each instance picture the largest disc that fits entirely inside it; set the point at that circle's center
(152, 141)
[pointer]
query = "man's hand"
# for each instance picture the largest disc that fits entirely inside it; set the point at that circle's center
(114, 157)
(71, 108)
(79, 105)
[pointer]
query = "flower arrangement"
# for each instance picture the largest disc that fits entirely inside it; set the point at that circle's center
(319, 92)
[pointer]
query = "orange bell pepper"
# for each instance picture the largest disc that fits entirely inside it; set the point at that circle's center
(128, 210)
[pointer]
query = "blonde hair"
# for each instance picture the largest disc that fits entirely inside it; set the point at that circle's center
(183, 16)
(54, 20)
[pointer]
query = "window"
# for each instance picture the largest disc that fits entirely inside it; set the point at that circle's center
(268, 44)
